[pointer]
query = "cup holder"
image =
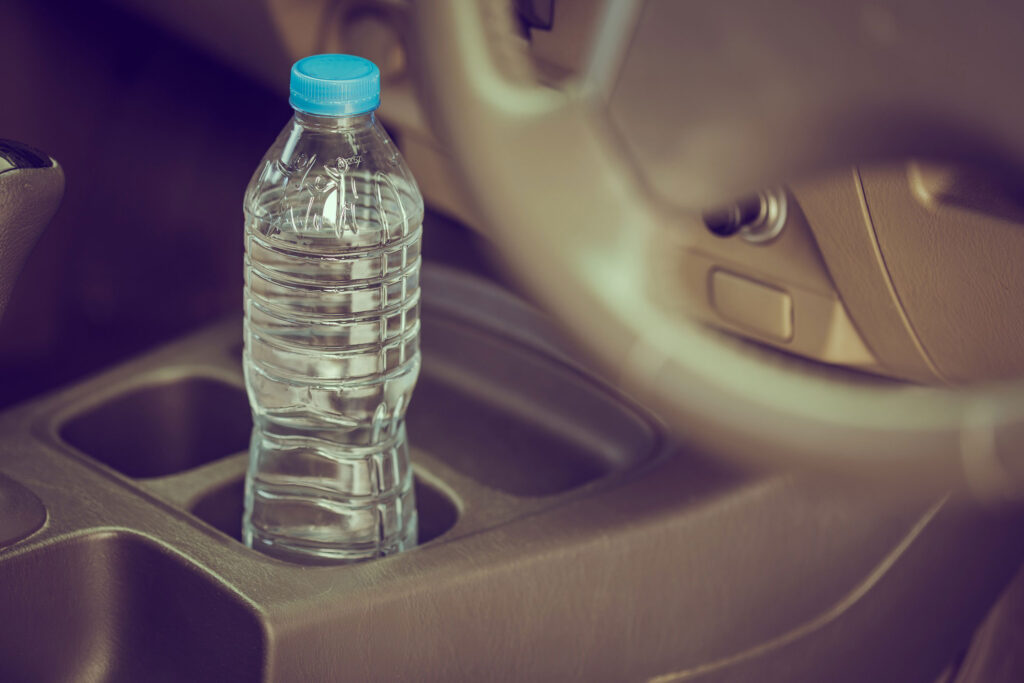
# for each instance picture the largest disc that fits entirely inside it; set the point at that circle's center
(116, 606)
(519, 420)
(161, 429)
(221, 508)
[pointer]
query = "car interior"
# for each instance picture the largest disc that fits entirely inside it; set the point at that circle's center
(722, 343)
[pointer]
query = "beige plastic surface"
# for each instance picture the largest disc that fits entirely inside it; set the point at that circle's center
(928, 259)
(953, 244)
(748, 303)
(834, 206)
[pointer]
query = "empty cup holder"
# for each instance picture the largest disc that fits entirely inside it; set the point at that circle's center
(221, 508)
(164, 428)
(516, 419)
(115, 606)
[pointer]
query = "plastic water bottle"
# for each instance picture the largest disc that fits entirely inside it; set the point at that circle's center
(333, 220)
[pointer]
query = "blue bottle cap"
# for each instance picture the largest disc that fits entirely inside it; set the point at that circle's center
(335, 85)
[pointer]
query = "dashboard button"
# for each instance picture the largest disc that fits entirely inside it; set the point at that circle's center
(751, 304)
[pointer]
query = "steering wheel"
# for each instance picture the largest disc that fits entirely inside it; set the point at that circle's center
(754, 93)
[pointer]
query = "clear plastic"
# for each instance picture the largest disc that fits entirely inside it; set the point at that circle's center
(333, 220)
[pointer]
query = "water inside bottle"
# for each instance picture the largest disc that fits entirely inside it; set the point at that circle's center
(332, 352)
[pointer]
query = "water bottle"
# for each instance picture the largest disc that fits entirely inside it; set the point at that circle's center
(333, 220)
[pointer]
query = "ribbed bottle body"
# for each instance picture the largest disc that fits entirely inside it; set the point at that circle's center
(333, 222)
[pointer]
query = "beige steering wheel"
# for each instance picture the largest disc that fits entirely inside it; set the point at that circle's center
(583, 227)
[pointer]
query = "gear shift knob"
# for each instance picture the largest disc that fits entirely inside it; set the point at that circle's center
(31, 187)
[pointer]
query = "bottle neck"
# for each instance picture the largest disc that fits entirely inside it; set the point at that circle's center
(333, 123)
